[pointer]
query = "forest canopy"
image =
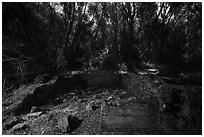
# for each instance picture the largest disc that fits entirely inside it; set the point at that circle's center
(51, 37)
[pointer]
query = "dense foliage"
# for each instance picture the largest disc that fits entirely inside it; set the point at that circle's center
(40, 38)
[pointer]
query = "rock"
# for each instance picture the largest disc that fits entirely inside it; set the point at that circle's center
(94, 96)
(35, 109)
(65, 100)
(69, 123)
(79, 100)
(84, 100)
(98, 102)
(42, 132)
(63, 124)
(153, 71)
(110, 98)
(35, 114)
(20, 126)
(113, 103)
(158, 83)
(155, 90)
(74, 98)
(93, 105)
(10, 122)
(88, 107)
(104, 93)
(72, 93)
(99, 96)
(121, 94)
(6, 103)
(25, 118)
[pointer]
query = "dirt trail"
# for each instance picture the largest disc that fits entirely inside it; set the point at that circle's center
(145, 105)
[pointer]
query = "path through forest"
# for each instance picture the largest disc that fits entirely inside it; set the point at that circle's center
(135, 104)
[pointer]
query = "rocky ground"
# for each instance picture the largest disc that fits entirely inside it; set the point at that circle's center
(145, 105)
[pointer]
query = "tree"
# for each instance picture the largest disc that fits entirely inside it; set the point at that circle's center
(50, 37)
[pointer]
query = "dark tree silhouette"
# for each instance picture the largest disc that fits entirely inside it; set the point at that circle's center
(43, 37)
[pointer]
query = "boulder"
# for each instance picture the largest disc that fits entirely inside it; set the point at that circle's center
(10, 122)
(63, 124)
(65, 101)
(69, 123)
(20, 126)
(93, 105)
(74, 98)
(88, 107)
(35, 109)
(35, 114)
(84, 100)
